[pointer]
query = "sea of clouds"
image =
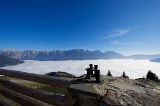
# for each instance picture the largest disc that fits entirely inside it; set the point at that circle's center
(133, 68)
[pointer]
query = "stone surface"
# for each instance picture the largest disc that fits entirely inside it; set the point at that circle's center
(121, 91)
(115, 91)
(82, 94)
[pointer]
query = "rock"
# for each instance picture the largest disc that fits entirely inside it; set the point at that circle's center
(115, 91)
(121, 91)
(82, 95)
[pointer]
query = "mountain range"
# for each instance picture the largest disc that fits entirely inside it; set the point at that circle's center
(75, 54)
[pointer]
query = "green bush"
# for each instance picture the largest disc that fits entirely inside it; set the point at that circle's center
(60, 74)
(109, 73)
(124, 75)
(152, 76)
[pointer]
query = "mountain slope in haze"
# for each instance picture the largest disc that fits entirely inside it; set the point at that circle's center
(156, 60)
(5, 60)
(75, 54)
(142, 56)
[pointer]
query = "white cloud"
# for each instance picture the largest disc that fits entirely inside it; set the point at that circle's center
(116, 33)
(138, 43)
(133, 68)
(127, 43)
(119, 43)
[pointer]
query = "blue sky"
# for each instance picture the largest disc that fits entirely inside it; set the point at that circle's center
(126, 26)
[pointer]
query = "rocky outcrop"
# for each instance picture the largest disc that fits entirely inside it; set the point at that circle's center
(114, 91)
(121, 91)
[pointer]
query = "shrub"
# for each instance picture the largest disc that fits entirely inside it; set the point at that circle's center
(124, 75)
(109, 73)
(60, 74)
(152, 76)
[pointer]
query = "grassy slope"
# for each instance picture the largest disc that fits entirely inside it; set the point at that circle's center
(2, 98)
(36, 85)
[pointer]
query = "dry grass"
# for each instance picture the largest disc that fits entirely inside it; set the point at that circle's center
(3, 98)
(36, 85)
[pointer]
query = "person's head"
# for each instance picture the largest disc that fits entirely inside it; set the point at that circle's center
(91, 65)
(95, 67)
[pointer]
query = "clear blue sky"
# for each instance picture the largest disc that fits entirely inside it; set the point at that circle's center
(126, 26)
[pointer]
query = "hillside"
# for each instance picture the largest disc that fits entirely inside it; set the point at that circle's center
(5, 60)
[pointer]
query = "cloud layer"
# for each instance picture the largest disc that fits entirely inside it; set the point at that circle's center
(133, 68)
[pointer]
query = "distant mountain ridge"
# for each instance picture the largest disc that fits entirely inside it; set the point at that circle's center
(142, 56)
(5, 60)
(75, 54)
(156, 60)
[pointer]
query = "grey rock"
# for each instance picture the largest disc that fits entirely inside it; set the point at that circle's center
(122, 91)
